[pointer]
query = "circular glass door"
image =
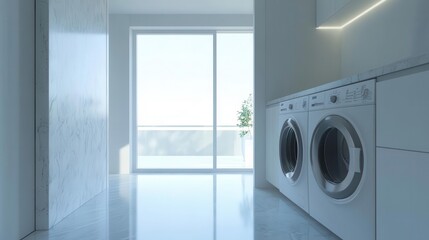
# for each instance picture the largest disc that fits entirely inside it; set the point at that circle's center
(290, 150)
(336, 157)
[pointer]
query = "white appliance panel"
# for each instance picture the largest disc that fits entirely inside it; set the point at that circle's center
(294, 183)
(350, 216)
(272, 142)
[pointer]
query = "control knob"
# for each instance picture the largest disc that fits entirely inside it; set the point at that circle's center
(333, 99)
(365, 93)
(290, 106)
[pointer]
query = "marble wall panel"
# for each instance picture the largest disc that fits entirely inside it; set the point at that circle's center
(72, 128)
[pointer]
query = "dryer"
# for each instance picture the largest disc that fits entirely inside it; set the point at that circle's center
(342, 160)
(293, 177)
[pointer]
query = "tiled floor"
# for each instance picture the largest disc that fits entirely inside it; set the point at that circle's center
(200, 207)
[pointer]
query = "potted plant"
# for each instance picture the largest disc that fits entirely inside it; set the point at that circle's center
(244, 117)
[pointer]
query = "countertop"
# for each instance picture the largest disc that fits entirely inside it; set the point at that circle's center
(370, 74)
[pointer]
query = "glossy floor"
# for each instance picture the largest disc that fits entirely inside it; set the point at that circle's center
(200, 207)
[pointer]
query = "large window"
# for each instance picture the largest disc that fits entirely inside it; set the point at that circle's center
(234, 86)
(189, 89)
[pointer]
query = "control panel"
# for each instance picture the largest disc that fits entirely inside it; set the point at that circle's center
(294, 105)
(361, 93)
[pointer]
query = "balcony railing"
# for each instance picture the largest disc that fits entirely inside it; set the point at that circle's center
(190, 147)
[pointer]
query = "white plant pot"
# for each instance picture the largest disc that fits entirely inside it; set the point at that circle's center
(247, 150)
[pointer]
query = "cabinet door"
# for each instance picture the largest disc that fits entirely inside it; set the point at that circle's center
(402, 194)
(336, 13)
(272, 144)
(326, 9)
(403, 112)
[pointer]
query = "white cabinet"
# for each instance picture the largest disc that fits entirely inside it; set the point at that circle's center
(326, 9)
(272, 144)
(402, 171)
(402, 194)
(403, 112)
(339, 12)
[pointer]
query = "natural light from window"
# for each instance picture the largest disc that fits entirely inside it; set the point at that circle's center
(175, 100)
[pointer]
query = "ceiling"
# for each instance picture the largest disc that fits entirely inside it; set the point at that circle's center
(181, 6)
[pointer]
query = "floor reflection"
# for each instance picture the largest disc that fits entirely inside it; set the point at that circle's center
(192, 206)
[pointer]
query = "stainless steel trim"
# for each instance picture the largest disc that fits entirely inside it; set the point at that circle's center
(349, 184)
(291, 172)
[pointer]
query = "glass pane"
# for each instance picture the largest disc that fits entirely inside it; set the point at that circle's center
(234, 91)
(334, 156)
(174, 101)
(289, 150)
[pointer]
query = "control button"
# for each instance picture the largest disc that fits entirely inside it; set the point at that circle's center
(333, 99)
(290, 106)
(365, 93)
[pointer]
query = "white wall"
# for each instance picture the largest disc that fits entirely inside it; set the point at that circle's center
(71, 106)
(119, 71)
(397, 29)
(16, 118)
(290, 56)
(260, 94)
(298, 56)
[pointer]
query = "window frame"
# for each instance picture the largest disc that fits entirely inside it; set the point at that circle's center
(213, 31)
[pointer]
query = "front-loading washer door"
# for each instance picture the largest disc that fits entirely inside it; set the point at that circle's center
(291, 150)
(336, 157)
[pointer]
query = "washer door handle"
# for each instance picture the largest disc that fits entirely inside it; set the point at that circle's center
(355, 158)
(289, 175)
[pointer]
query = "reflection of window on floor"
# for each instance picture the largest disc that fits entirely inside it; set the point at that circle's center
(175, 76)
(218, 206)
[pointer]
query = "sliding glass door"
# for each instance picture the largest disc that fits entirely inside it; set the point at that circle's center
(234, 100)
(189, 89)
(174, 101)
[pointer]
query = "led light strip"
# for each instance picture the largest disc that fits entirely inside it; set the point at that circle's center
(353, 19)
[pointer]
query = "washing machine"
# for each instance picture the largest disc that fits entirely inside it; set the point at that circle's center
(342, 160)
(293, 177)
